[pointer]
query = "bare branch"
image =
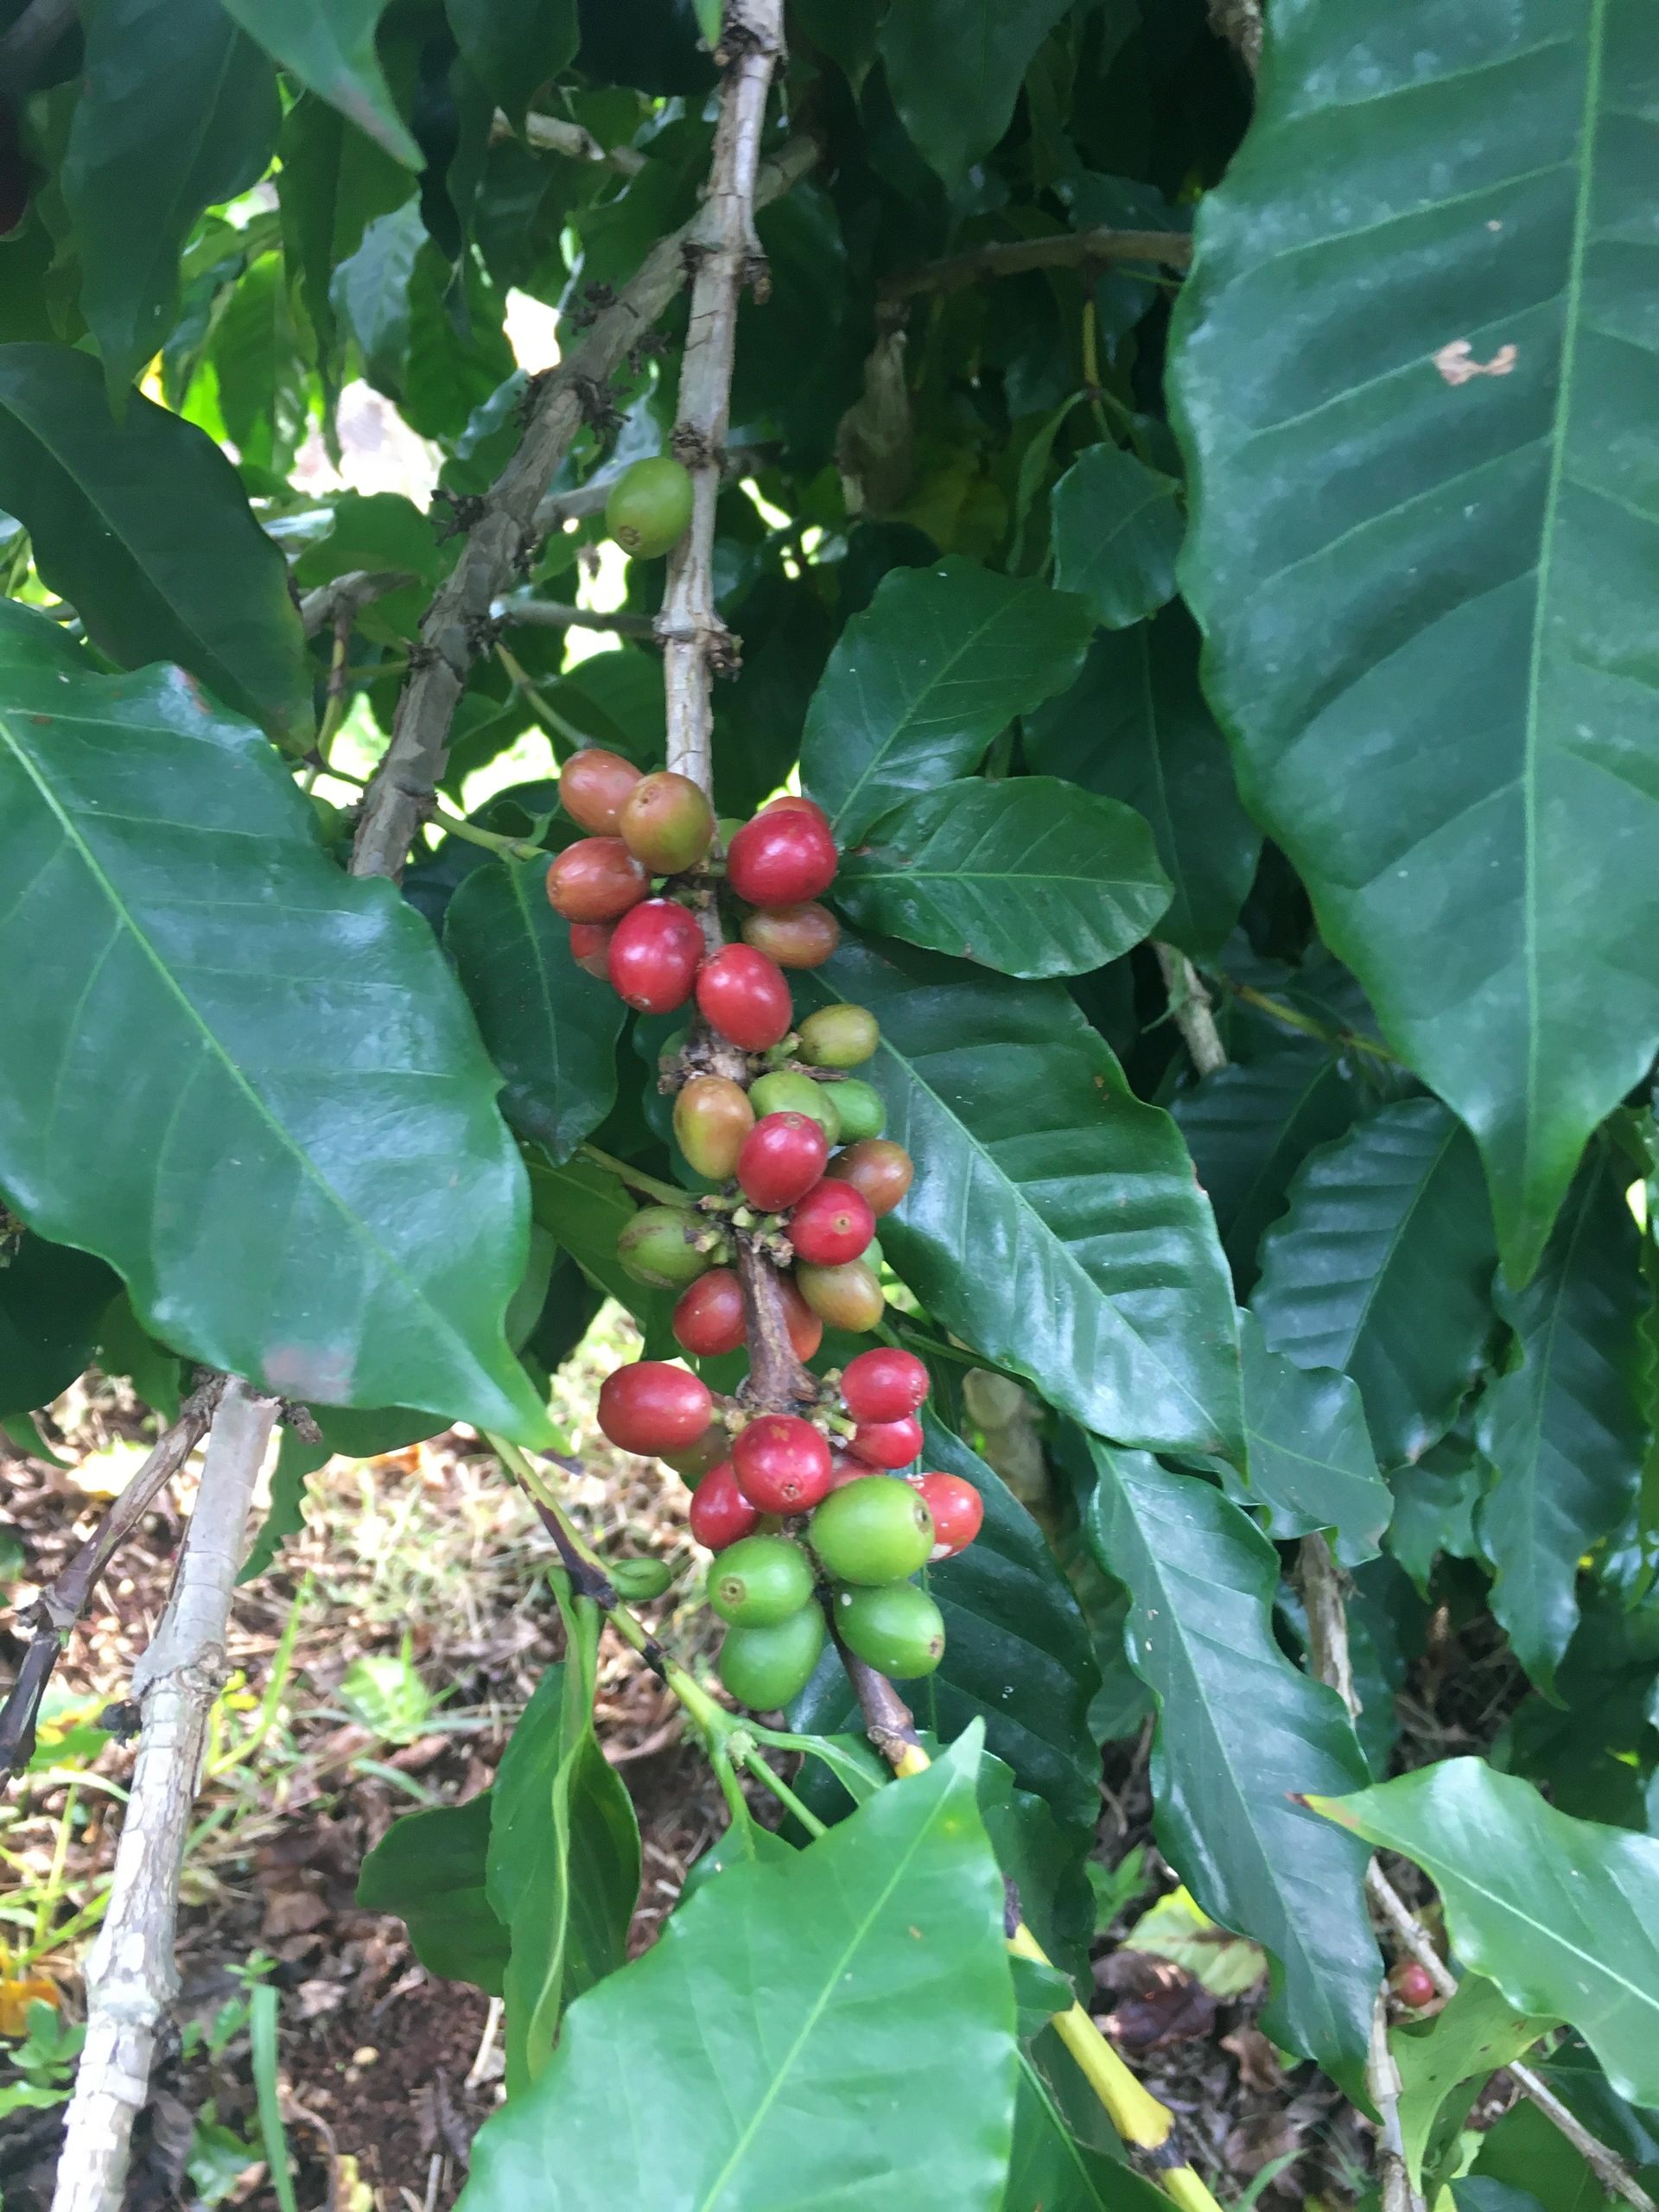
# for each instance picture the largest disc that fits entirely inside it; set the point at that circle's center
(130, 1976)
(1191, 1009)
(547, 615)
(344, 594)
(1065, 250)
(552, 134)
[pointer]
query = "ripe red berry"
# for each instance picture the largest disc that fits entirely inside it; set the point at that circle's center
(595, 879)
(720, 1513)
(781, 1158)
(782, 1464)
(844, 1469)
(831, 1224)
(957, 1510)
(654, 956)
(654, 1406)
(795, 936)
(590, 947)
(805, 1329)
(784, 856)
(888, 1442)
(880, 1168)
(746, 997)
(883, 1384)
(1414, 1985)
(592, 785)
(796, 803)
(709, 1316)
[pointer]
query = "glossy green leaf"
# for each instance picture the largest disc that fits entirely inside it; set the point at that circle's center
(1053, 1224)
(834, 2026)
(1444, 2063)
(1134, 727)
(513, 47)
(329, 45)
(177, 110)
(331, 183)
(1526, 2165)
(52, 1300)
(254, 1087)
(1381, 1266)
(953, 67)
(1051, 2170)
(549, 1027)
(428, 1869)
(1118, 529)
(1561, 1426)
(919, 683)
(144, 527)
(1417, 377)
(1563, 1915)
(1311, 1462)
(1033, 877)
(1239, 1731)
(372, 295)
(587, 1209)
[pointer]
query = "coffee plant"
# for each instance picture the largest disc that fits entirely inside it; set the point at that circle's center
(1087, 971)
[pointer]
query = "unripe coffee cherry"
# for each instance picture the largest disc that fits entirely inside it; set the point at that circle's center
(712, 1116)
(958, 1512)
(640, 1578)
(877, 1530)
(805, 1329)
(595, 879)
(658, 1247)
(888, 1442)
(839, 1037)
(782, 1464)
(859, 1107)
(666, 822)
(590, 947)
(709, 1317)
(883, 1384)
(847, 1297)
(880, 1168)
(592, 785)
(648, 506)
(701, 1458)
(744, 995)
(655, 951)
(781, 1158)
(1414, 1985)
(786, 1092)
(720, 1514)
(782, 858)
(795, 936)
(762, 1581)
(765, 1667)
(654, 1406)
(896, 1629)
(831, 1224)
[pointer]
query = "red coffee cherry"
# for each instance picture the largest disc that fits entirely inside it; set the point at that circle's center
(796, 803)
(782, 1157)
(667, 822)
(595, 879)
(709, 1317)
(844, 1469)
(884, 1384)
(720, 1513)
(654, 1406)
(957, 1508)
(786, 854)
(592, 785)
(878, 1167)
(795, 936)
(745, 996)
(782, 1464)
(805, 1329)
(831, 1224)
(655, 952)
(1414, 1985)
(888, 1442)
(590, 947)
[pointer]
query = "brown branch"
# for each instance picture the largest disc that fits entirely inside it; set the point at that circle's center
(1065, 250)
(344, 594)
(552, 134)
(888, 1721)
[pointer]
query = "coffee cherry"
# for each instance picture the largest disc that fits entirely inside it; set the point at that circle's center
(847, 1297)
(877, 1530)
(1414, 1985)
(326, 819)
(805, 1329)
(785, 1093)
(659, 1248)
(888, 1442)
(831, 1224)
(861, 1109)
(654, 1406)
(762, 1581)
(648, 506)
(701, 1458)
(782, 858)
(765, 1667)
(796, 803)
(958, 1512)
(655, 952)
(595, 879)
(592, 785)
(709, 1317)
(839, 1037)
(885, 1384)
(881, 1169)
(781, 1158)
(720, 1514)
(896, 1629)
(640, 1578)
(712, 1116)
(590, 947)
(795, 936)
(744, 995)
(782, 1464)
(844, 1469)
(666, 822)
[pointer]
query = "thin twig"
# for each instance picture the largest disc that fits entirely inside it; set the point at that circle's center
(1065, 250)
(1190, 1009)
(549, 614)
(356, 589)
(551, 134)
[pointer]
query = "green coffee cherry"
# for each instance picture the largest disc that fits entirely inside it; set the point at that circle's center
(330, 819)
(784, 1092)
(766, 1666)
(649, 507)
(759, 1580)
(861, 1108)
(896, 1629)
(659, 1248)
(638, 1578)
(839, 1037)
(875, 1529)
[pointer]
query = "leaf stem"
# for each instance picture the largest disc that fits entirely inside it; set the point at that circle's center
(550, 716)
(1294, 1017)
(637, 1180)
(456, 825)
